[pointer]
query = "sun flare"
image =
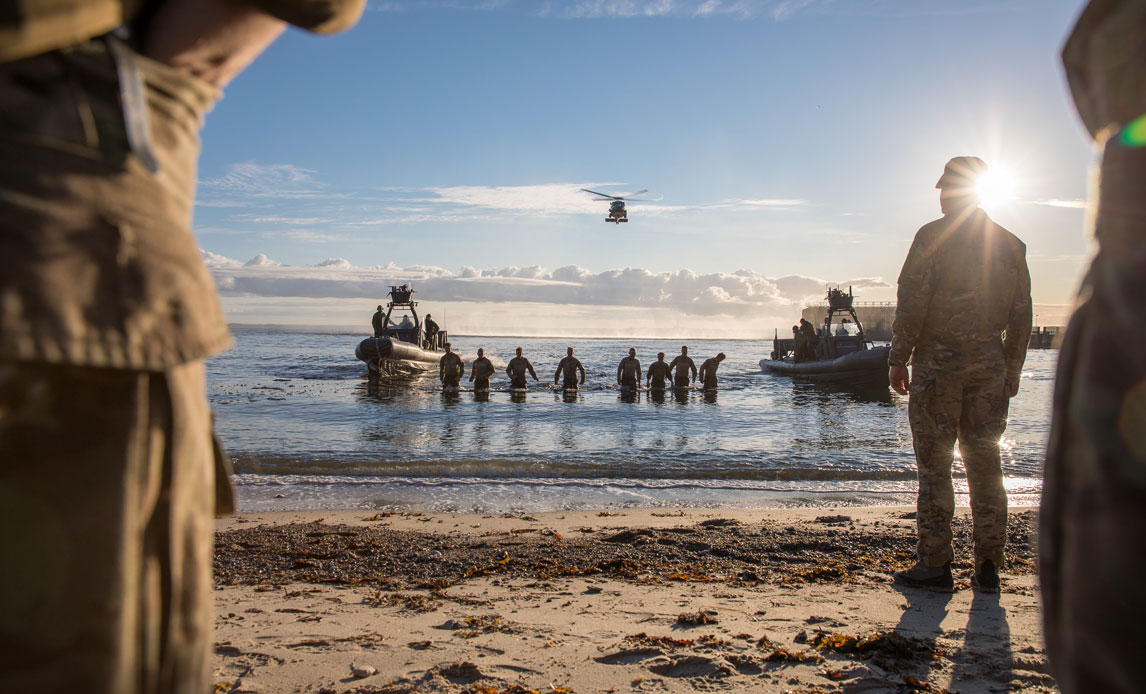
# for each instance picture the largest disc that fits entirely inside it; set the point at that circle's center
(996, 187)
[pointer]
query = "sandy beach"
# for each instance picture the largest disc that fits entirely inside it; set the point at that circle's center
(773, 600)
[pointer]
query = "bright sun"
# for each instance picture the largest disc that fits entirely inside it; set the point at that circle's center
(996, 187)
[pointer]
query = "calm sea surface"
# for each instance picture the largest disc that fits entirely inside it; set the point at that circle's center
(305, 431)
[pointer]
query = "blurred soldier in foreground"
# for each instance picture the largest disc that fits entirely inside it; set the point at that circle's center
(708, 371)
(570, 367)
(516, 369)
(451, 368)
(964, 320)
(108, 475)
(629, 371)
(481, 371)
(431, 328)
(683, 365)
(1092, 546)
(376, 322)
(657, 373)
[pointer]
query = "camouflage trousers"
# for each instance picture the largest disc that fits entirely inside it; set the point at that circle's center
(107, 497)
(969, 407)
(1092, 535)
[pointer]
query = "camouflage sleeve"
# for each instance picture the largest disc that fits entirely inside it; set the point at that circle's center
(529, 366)
(912, 300)
(638, 370)
(692, 367)
(581, 369)
(1017, 335)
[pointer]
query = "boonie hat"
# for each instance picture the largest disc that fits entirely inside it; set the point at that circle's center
(962, 172)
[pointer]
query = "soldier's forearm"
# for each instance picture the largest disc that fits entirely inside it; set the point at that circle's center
(213, 40)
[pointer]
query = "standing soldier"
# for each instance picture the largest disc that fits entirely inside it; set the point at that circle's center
(110, 479)
(708, 371)
(570, 366)
(431, 329)
(629, 371)
(964, 320)
(481, 371)
(451, 368)
(516, 369)
(657, 373)
(376, 322)
(683, 365)
(1092, 548)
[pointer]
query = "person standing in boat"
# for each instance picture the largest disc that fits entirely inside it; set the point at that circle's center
(431, 331)
(451, 368)
(683, 365)
(377, 320)
(481, 371)
(811, 340)
(963, 319)
(629, 371)
(570, 366)
(516, 370)
(658, 371)
(708, 371)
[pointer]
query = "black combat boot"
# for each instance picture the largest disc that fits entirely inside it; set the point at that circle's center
(937, 578)
(986, 578)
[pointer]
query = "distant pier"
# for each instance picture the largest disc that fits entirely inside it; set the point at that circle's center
(877, 317)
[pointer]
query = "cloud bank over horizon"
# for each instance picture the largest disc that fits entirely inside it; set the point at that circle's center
(740, 294)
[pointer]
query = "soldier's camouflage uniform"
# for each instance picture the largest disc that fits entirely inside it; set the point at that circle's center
(108, 471)
(516, 369)
(1092, 542)
(964, 284)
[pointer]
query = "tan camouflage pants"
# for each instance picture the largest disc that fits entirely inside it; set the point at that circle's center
(107, 494)
(970, 408)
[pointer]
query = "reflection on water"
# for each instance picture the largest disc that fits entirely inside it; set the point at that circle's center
(299, 404)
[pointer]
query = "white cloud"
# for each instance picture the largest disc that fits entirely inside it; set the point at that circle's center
(1070, 204)
(250, 179)
(214, 260)
(743, 293)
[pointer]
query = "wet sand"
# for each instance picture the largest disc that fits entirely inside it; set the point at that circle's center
(775, 600)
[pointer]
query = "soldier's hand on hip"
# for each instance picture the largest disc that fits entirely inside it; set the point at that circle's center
(898, 377)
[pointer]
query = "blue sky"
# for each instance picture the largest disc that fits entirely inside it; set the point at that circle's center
(792, 143)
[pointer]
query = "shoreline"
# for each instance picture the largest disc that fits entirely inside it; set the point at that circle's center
(664, 600)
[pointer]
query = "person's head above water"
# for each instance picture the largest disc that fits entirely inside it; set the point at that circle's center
(481, 352)
(660, 356)
(519, 351)
(632, 351)
(449, 347)
(569, 351)
(379, 307)
(684, 349)
(958, 185)
(720, 357)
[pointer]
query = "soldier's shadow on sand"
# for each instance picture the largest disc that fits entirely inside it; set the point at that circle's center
(986, 651)
(923, 617)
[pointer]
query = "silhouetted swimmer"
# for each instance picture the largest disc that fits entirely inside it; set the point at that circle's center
(481, 371)
(570, 367)
(629, 371)
(450, 369)
(708, 371)
(658, 371)
(516, 370)
(683, 365)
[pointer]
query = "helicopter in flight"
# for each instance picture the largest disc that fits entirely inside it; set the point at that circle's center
(617, 211)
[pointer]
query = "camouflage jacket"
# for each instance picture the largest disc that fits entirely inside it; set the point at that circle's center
(964, 298)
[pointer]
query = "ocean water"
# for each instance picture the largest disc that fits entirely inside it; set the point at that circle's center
(307, 430)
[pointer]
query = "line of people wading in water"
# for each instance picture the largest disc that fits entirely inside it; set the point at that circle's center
(570, 373)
